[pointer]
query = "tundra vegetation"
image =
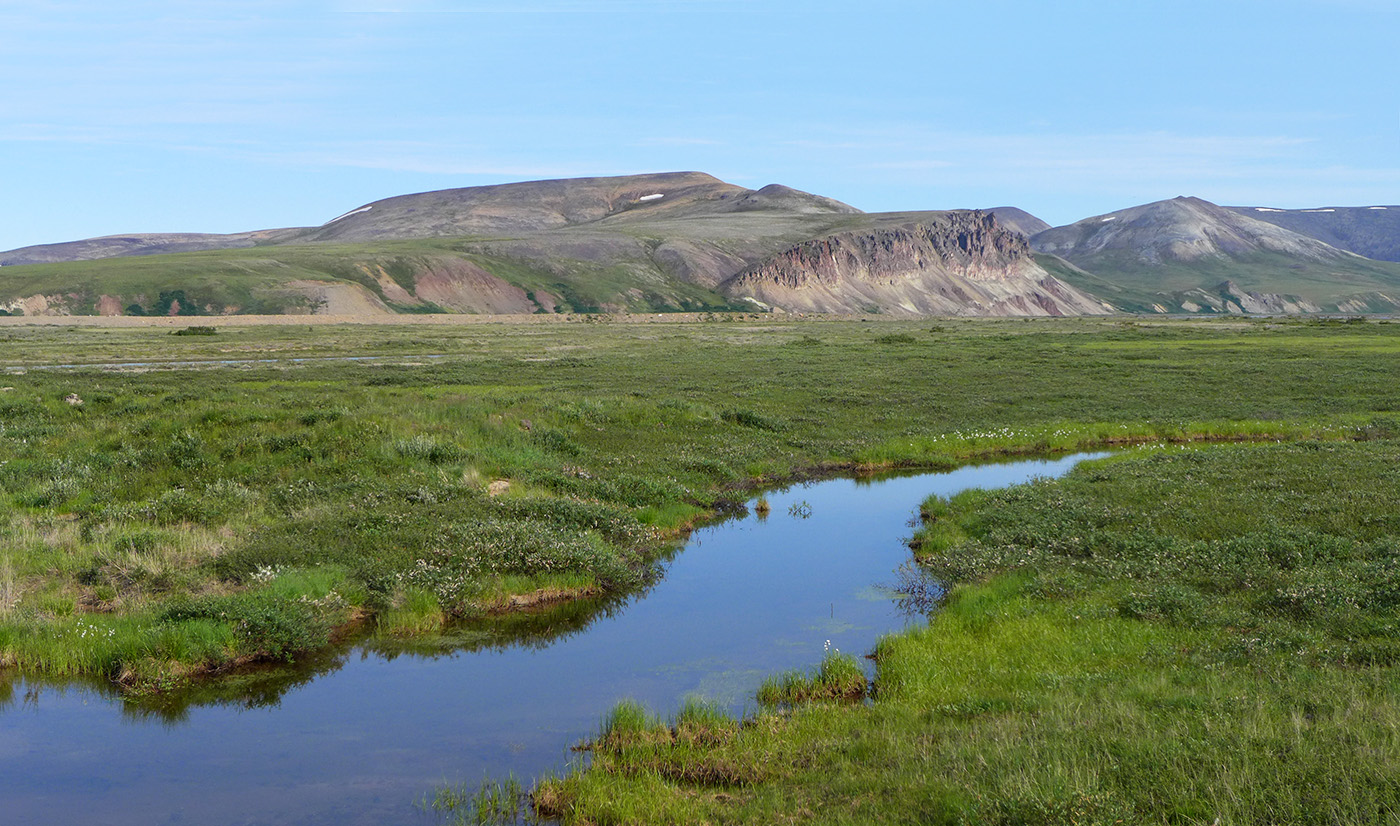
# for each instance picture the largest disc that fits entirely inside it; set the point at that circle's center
(1175, 635)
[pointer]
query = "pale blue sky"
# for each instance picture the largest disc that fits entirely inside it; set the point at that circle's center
(225, 116)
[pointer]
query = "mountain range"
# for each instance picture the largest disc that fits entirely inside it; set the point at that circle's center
(1189, 255)
(689, 241)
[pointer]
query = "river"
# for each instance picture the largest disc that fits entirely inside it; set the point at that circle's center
(357, 735)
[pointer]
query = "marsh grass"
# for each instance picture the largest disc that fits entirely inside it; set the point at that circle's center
(626, 722)
(838, 677)
(172, 486)
(697, 721)
(964, 446)
(672, 516)
(413, 611)
(492, 803)
(634, 742)
(1121, 645)
(938, 531)
(121, 648)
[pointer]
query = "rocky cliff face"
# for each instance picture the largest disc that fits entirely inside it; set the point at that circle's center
(954, 263)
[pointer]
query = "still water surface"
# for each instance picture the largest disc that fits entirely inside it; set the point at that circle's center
(360, 734)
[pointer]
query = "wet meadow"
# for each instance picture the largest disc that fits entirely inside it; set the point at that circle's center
(1186, 632)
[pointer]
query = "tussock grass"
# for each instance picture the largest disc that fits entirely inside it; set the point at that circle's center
(627, 722)
(413, 611)
(703, 722)
(635, 742)
(111, 646)
(492, 803)
(838, 677)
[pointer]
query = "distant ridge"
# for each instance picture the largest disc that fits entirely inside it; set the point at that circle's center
(688, 241)
(1018, 220)
(527, 206)
(543, 205)
(639, 243)
(114, 246)
(1182, 229)
(1183, 254)
(1372, 231)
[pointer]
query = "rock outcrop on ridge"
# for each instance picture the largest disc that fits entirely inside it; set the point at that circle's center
(954, 263)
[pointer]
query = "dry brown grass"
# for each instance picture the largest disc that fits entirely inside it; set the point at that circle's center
(9, 587)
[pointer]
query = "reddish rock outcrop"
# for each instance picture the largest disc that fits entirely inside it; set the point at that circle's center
(953, 263)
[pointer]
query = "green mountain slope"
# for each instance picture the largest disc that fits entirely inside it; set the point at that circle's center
(383, 277)
(1372, 231)
(665, 242)
(639, 243)
(686, 241)
(1189, 255)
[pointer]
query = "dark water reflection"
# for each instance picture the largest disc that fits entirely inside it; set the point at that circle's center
(355, 735)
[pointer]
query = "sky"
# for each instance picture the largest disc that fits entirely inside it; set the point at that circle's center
(212, 116)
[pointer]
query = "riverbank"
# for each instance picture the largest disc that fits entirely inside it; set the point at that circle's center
(181, 519)
(1170, 636)
(356, 734)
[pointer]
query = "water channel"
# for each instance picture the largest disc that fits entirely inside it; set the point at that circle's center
(357, 735)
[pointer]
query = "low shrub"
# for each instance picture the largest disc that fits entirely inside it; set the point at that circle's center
(748, 418)
(267, 626)
(428, 449)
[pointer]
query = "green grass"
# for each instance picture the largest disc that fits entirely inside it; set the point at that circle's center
(1136, 286)
(492, 803)
(1123, 645)
(838, 677)
(1176, 634)
(411, 612)
(259, 280)
(281, 501)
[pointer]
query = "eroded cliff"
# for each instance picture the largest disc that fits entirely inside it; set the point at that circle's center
(953, 263)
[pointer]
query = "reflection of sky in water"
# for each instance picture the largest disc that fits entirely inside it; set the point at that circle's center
(747, 598)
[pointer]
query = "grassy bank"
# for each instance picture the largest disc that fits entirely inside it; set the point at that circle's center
(158, 522)
(1169, 636)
